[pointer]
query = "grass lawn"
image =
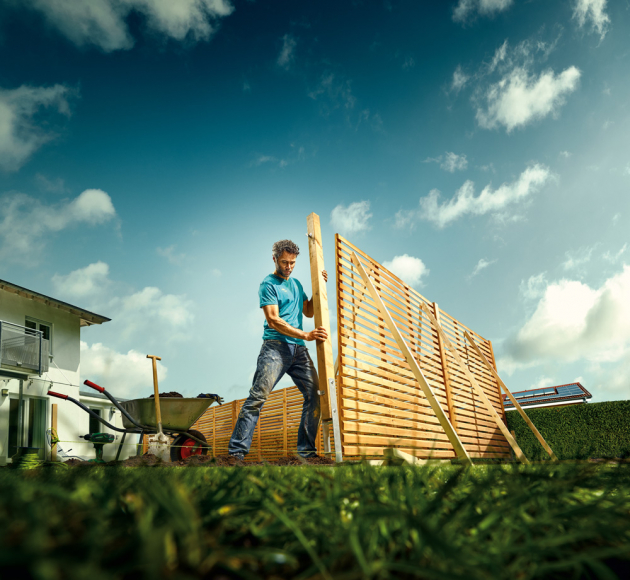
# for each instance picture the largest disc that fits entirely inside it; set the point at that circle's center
(348, 522)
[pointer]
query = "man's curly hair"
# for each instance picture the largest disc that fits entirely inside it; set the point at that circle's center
(284, 246)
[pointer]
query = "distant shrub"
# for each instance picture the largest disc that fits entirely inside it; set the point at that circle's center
(594, 430)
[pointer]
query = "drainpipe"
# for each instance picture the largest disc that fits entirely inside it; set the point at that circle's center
(20, 441)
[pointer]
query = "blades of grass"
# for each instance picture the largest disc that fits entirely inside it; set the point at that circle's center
(301, 538)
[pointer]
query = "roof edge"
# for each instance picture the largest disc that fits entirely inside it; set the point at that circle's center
(87, 318)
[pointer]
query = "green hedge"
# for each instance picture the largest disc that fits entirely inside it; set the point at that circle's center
(594, 430)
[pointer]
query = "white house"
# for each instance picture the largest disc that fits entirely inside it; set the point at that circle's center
(40, 351)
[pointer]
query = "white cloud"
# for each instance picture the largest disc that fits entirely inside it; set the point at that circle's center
(542, 382)
(124, 375)
(409, 269)
(151, 304)
(287, 52)
(20, 134)
(337, 89)
(565, 154)
(352, 219)
(465, 202)
(170, 255)
(574, 321)
(575, 260)
(535, 286)
(519, 97)
(83, 282)
(102, 22)
(25, 221)
(592, 11)
(614, 258)
(453, 162)
(466, 9)
(460, 78)
(482, 264)
(450, 161)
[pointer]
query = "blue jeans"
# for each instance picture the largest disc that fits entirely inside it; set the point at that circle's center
(275, 359)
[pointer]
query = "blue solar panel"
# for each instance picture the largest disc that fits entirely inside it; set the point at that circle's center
(570, 390)
(546, 395)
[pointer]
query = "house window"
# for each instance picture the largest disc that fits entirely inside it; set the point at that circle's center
(95, 426)
(34, 428)
(44, 327)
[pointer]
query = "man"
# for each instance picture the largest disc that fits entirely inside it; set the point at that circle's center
(283, 301)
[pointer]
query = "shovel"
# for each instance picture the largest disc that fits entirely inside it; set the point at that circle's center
(159, 445)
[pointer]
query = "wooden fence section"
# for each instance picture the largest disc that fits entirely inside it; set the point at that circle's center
(276, 432)
(380, 402)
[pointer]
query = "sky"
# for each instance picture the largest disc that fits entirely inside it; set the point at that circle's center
(151, 152)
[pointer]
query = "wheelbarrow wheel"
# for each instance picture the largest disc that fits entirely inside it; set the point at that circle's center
(184, 447)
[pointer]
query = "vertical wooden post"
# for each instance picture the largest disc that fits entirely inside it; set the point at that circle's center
(233, 415)
(494, 364)
(53, 432)
(447, 377)
(285, 433)
(214, 432)
(325, 360)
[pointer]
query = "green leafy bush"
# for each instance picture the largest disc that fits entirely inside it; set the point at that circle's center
(600, 430)
(350, 522)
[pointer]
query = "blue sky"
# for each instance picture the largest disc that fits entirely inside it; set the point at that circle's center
(152, 152)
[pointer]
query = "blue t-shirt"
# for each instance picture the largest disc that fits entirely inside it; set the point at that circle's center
(289, 296)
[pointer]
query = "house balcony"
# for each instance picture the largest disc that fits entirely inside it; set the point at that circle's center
(23, 349)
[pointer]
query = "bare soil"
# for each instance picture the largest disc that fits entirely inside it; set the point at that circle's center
(171, 394)
(148, 460)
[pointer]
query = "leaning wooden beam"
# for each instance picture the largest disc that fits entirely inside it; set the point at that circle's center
(447, 378)
(516, 404)
(462, 454)
(325, 361)
(500, 424)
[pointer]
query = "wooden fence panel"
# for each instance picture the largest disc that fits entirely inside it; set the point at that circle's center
(275, 435)
(381, 404)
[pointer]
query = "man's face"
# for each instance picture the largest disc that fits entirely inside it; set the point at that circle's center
(285, 264)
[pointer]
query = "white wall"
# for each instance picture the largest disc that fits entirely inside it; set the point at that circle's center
(71, 420)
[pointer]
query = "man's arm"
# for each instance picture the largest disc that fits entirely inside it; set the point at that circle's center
(307, 307)
(274, 321)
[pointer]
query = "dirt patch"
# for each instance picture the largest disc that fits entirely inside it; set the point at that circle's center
(229, 461)
(148, 460)
(171, 394)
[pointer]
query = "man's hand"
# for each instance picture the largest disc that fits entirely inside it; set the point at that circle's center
(317, 334)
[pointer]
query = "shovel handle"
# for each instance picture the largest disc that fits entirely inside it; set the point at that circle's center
(158, 413)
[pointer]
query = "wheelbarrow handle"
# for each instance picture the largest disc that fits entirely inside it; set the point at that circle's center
(91, 413)
(94, 386)
(114, 402)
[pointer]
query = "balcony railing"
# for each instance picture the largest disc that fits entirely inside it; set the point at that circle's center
(23, 348)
